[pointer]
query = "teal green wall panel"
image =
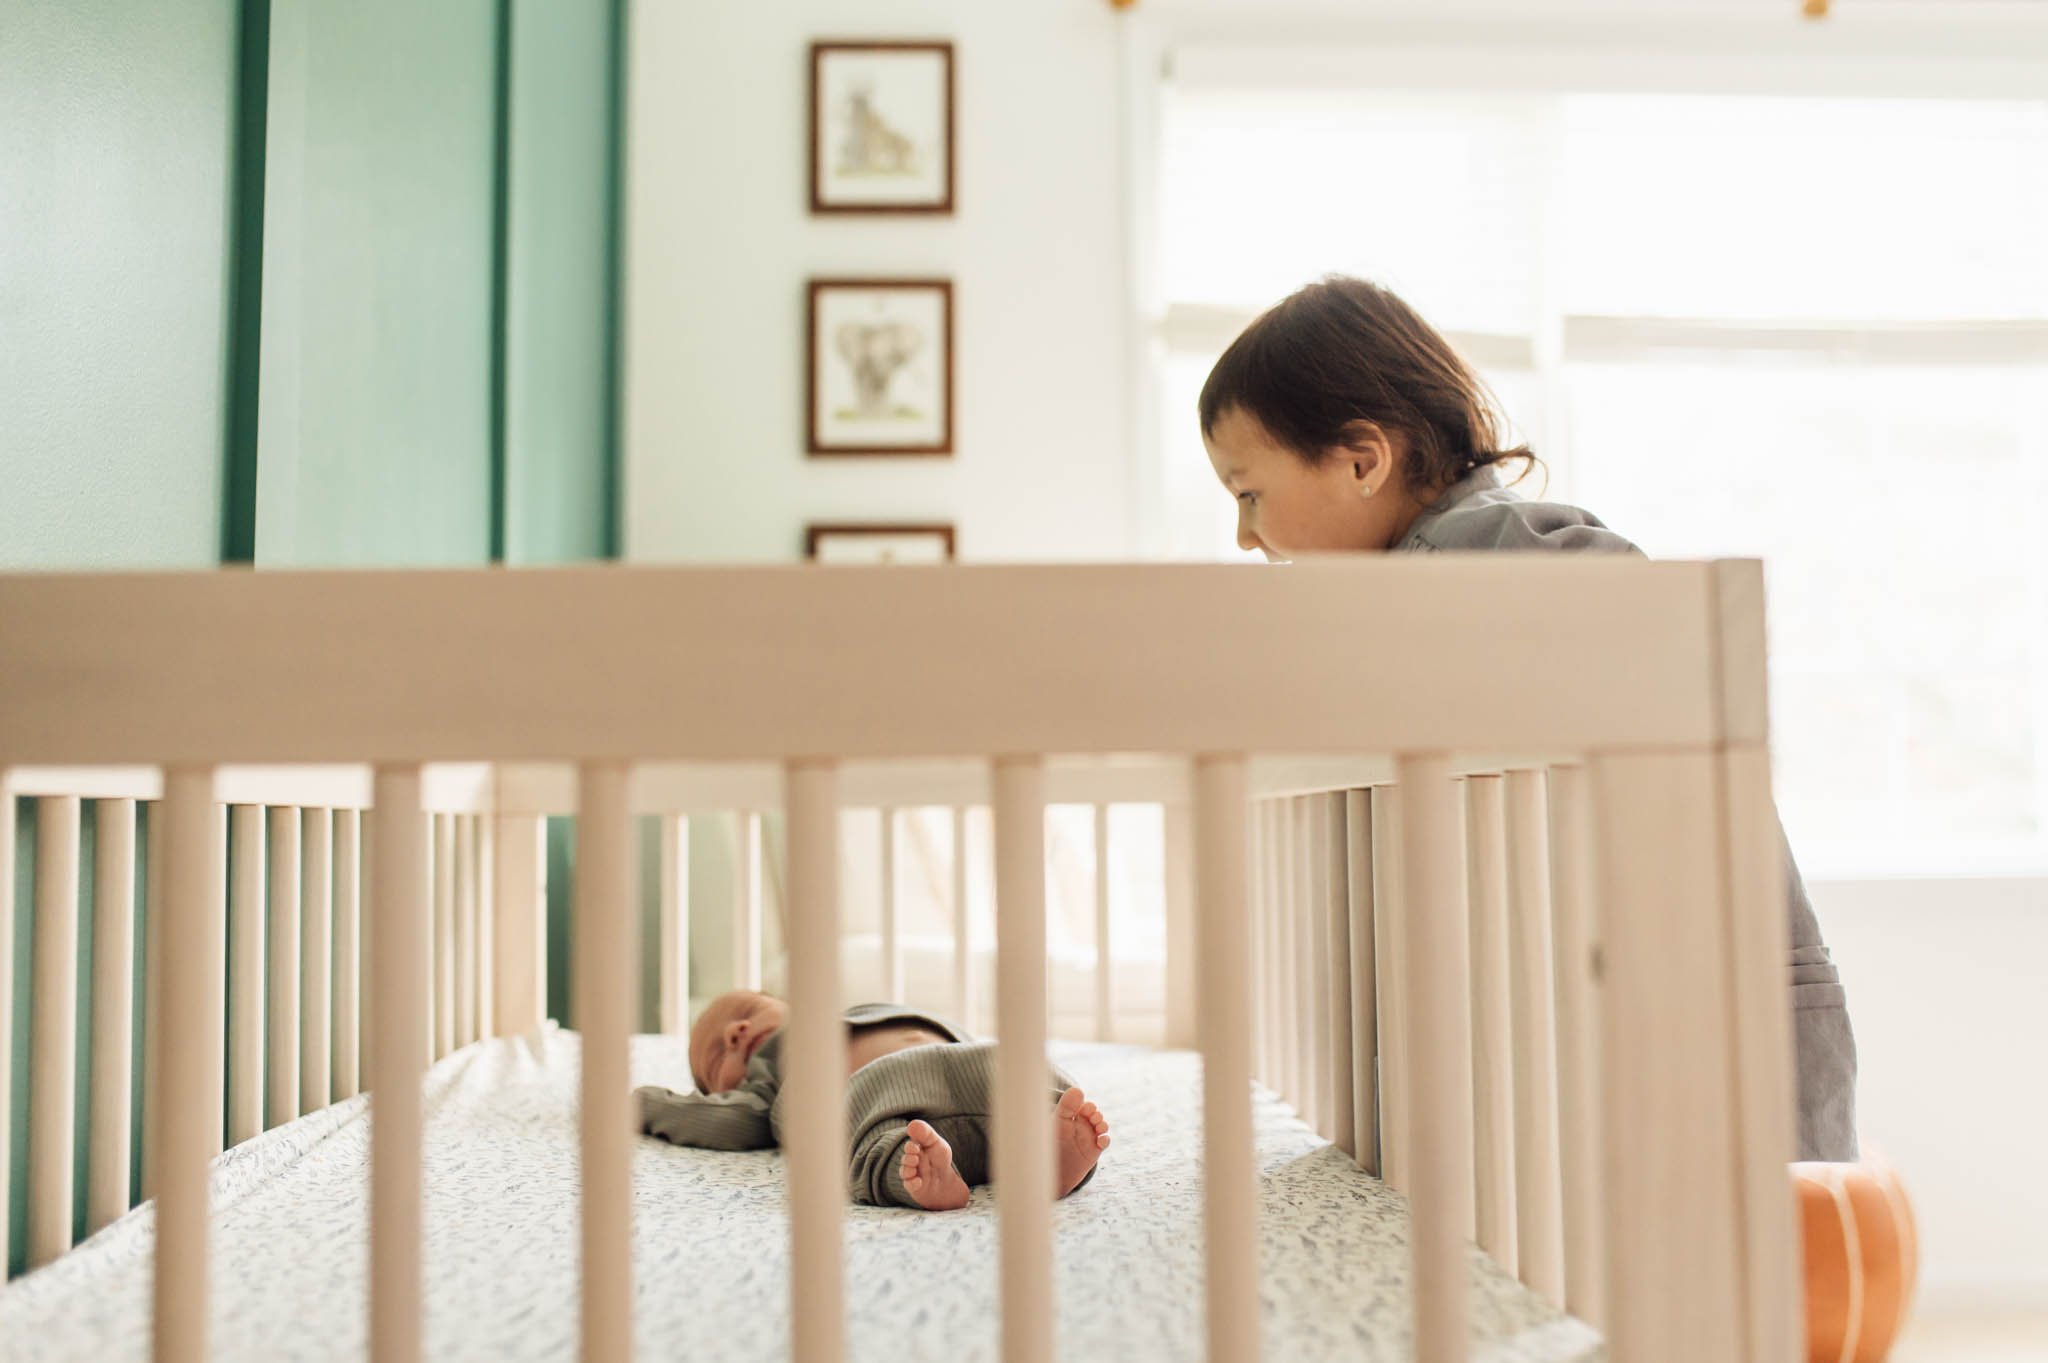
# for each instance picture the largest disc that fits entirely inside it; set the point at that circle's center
(559, 314)
(374, 417)
(118, 118)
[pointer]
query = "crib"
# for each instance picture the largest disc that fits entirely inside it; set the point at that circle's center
(1499, 914)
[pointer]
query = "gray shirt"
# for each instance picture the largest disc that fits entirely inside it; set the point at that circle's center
(1478, 514)
(749, 1116)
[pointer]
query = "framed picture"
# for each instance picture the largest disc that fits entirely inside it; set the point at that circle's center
(880, 370)
(878, 543)
(882, 127)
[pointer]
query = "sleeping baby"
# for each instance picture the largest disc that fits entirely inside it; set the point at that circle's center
(918, 1101)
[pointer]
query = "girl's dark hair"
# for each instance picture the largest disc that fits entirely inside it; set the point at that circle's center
(1343, 350)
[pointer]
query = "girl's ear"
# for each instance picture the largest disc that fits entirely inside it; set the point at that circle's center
(1369, 451)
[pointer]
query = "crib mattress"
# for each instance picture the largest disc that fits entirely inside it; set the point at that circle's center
(710, 1240)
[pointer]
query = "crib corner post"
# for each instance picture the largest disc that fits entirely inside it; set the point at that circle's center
(1674, 1287)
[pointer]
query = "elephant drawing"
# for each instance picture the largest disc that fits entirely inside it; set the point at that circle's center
(874, 351)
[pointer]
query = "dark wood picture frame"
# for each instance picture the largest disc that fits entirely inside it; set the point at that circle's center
(814, 443)
(818, 529)
(820, 52)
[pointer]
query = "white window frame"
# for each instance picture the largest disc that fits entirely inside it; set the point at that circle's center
(1905, 50)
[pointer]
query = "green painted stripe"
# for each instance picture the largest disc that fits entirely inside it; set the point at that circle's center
(501, 253)
(614, 235)
(245, 284)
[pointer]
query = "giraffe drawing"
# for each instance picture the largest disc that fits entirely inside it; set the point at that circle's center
(871, 146)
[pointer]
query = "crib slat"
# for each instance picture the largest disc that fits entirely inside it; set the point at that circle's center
(398, 1041)
(963, 943)
(1293, 985)
(1178, 849)
(113, 985)
(1363, 930)
(1105, 959)
(246, 905)
(1763, 1043)
(675, 924)
(815, 1136)
(1301, 912)
(1672, 1204)
(892, 937)
(1539, 1201)
(1228, 1178)
(1390, 945)
(1276, 940)
(348, 920)
(1440, 1054)
(444, 933)
(316, 961)
(603, 957)
(8, 910)
(1023, 1156)
(464, 876)
(1493, 1060)
(519, 884)
(480, 864)
(153, 899)
(283, 1043)
(1260, 954)
(54, 1030)
(1337, 923)
(1575, 927)
(746, 937)
(1314, 849)
(187, 1017)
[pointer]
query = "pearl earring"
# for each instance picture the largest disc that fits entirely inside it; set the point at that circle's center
(1365, 491)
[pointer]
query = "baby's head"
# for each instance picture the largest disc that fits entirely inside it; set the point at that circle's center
(726, 1035)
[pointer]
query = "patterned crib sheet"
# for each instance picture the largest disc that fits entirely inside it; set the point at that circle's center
(290, 1249)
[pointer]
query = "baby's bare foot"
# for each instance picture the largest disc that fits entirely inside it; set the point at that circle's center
(928, 1172)
(1080, 1133)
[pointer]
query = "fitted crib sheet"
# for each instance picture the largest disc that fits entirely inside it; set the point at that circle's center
(710, 1233)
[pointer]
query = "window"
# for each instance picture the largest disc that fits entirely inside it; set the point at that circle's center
(1811, 330)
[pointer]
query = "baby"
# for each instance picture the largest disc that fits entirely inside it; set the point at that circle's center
(918, 1101)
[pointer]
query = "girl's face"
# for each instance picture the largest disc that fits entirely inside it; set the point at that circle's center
(1352, 501)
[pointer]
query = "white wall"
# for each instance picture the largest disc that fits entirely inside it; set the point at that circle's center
(720, 243)
(1949, 998)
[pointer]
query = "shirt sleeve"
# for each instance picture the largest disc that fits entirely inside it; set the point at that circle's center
(737, 1120)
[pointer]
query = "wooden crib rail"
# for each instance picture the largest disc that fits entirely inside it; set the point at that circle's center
(775, 664)
(614, 686)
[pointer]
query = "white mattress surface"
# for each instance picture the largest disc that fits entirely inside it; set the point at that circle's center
(290, 1246)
